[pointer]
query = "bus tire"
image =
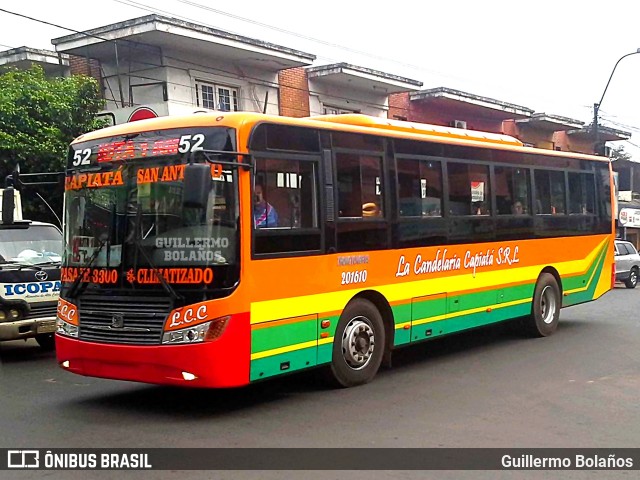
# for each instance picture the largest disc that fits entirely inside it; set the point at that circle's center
(545, 308)
(358, 345)
(46, 341)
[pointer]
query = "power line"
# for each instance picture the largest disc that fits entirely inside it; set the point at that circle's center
(187, 62)
(195, 4)
(209, 67)
(280, 30)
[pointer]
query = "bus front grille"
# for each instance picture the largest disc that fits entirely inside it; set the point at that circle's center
(122, 319)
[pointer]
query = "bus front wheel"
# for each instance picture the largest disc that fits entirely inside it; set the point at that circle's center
(358, 344)
(545, 309)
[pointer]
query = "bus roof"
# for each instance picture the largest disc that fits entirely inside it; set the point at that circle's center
(356, 123)
(421, 128)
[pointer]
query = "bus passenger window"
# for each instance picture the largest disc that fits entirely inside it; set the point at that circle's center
(468, 189)
(285, 200)
(550, 192)
(581, 193)
(512, 190)
(288, 187)
(359, 185)
(420, 188)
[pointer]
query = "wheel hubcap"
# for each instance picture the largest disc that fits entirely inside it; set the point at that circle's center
(633, 278)
(547, 305)
(358, 342)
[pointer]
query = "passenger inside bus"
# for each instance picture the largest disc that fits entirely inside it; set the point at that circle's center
(517, 208)
(264, 215)
(479, 208)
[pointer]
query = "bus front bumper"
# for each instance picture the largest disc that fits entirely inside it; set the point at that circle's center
(219, 364)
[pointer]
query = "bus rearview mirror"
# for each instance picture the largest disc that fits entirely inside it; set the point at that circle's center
(197, 183)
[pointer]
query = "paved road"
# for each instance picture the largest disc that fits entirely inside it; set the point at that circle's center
(488, 388)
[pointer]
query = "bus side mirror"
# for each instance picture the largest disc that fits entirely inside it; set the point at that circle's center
(197, 183)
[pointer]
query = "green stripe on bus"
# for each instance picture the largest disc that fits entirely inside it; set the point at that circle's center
(277, 336)
(282, 363)
(589, 294)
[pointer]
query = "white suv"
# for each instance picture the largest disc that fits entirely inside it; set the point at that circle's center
(627, 263)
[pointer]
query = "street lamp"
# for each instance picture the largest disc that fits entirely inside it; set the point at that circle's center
(596, 106)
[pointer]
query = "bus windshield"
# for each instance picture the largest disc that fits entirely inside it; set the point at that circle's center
(132, 215)
(152, 216)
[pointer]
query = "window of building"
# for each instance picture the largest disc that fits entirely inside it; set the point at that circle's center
(216, 97)
(419, 188)
(329, 110)
(468, 189)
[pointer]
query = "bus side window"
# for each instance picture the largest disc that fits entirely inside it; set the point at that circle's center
(420, 188)
(550, 192)
(359, 185)
(289, 202)
(468, 189)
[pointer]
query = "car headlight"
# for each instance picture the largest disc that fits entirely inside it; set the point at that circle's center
(66, 328)
(3, 316)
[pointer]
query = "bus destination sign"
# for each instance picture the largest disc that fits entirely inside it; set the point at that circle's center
(146, 144)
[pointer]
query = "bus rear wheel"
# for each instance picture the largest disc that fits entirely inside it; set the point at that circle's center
(358, 344)
(545, 309)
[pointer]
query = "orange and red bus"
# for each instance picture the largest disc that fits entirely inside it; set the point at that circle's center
(216, 250)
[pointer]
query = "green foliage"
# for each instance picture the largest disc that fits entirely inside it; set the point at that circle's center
(619, 153)
(39, 117)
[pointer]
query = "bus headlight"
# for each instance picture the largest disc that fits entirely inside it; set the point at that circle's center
(14, 314)
(66, 328)
(194, 334)
(204, 332)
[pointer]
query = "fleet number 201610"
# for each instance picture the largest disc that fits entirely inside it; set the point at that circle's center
(359, 276)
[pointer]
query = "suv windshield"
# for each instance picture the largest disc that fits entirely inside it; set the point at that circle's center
(38, 244)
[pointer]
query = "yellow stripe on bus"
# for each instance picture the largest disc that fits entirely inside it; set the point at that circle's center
(400, 326)
(288, 348)
(585, 287)
(291, 348)
(336, 301)
(435, 318)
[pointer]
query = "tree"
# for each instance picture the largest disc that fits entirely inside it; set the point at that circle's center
(39, 117)
(618, 153)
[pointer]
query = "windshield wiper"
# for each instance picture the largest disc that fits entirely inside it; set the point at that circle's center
(137, 242)
(20, 265)
(46, 264)
(76, 283)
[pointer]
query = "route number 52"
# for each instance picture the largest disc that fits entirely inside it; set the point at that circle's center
(191, 143)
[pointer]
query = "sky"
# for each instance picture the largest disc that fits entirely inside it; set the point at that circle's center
(550, 56)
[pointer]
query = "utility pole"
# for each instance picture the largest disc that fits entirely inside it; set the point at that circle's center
(597, 148)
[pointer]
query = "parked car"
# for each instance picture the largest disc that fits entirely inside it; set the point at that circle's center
(627, 263)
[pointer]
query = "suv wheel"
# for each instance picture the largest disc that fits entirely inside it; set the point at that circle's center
(632, 281)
